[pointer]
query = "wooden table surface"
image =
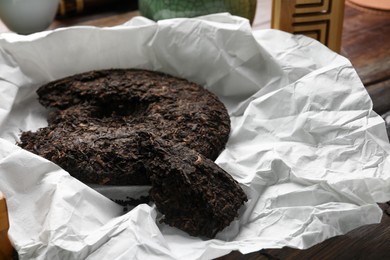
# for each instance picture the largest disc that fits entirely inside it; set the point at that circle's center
(366, 42)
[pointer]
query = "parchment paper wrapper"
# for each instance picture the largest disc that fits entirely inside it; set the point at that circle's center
(305, 144)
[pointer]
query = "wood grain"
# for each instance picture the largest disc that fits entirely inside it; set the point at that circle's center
(5, 245)
(380, 94)
(366, 43)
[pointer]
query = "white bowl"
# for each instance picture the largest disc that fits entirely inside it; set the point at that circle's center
(28, 16)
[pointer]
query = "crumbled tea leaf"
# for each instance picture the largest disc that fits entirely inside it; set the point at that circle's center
(137, 127)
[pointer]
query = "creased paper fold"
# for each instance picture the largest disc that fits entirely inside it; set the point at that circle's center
(305, 145)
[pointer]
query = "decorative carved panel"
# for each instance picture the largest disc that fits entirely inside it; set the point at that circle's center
(319, 19)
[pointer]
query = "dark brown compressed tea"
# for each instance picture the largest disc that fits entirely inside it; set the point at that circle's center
(105, 121)
(90, 133)
(192, 192)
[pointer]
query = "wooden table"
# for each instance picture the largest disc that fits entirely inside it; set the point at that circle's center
(366, 42)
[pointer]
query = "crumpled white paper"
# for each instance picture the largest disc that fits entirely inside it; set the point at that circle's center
(305, 144)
